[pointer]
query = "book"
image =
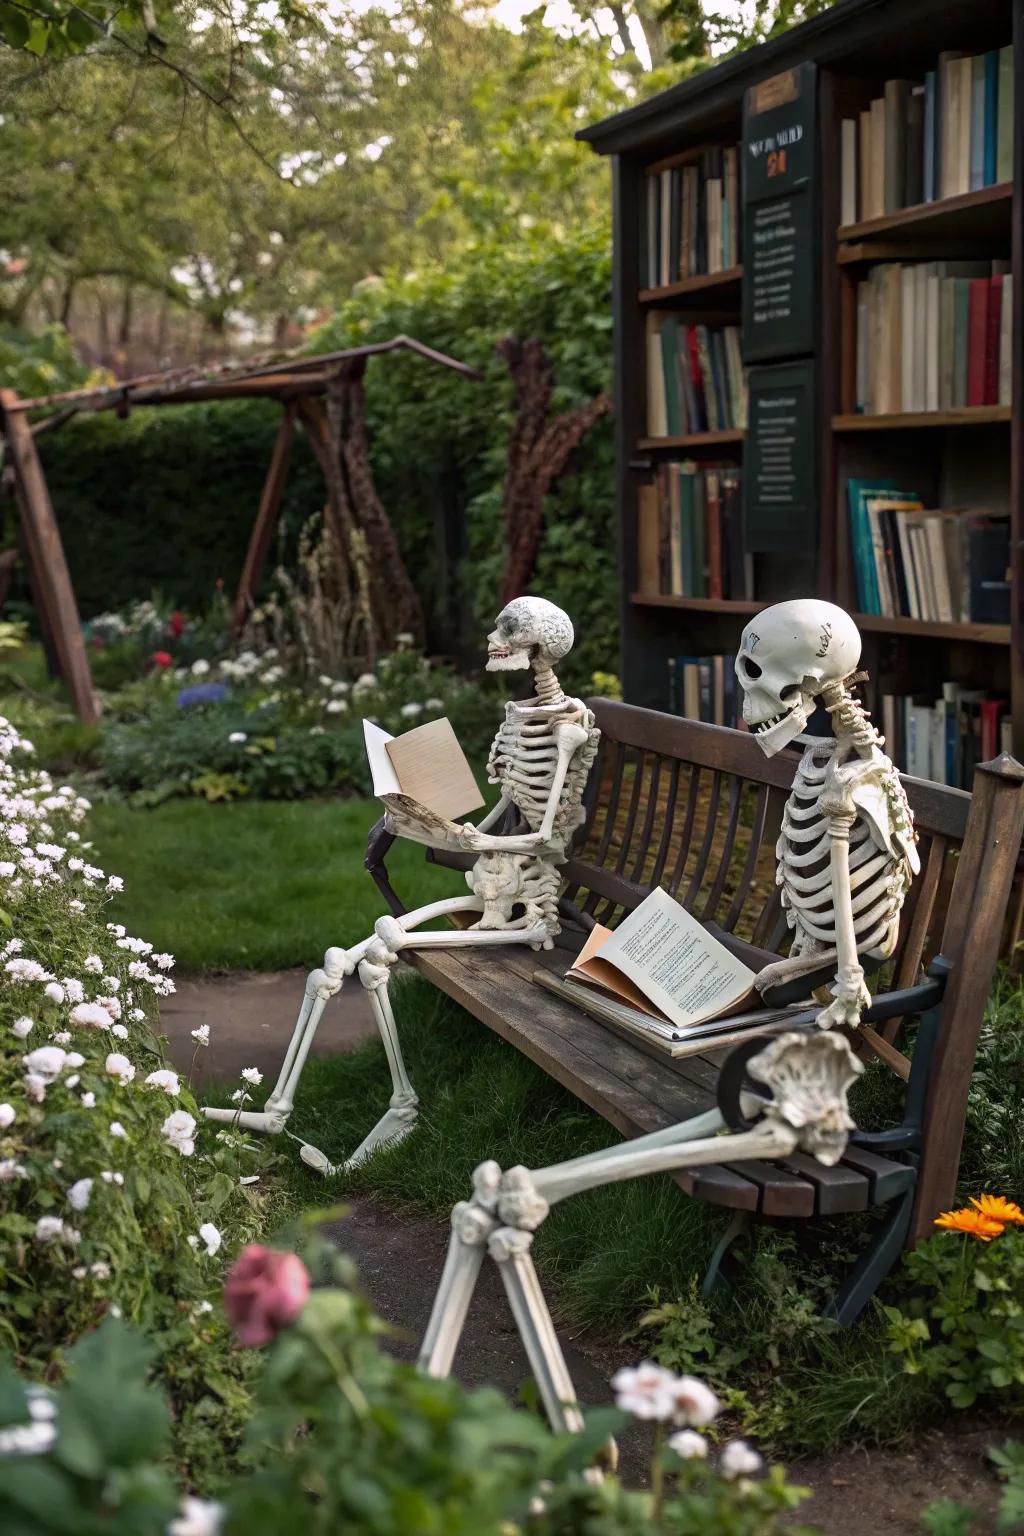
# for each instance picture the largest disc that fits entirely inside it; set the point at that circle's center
(426, 765)
(848, 171)
(665, 965)
(647, 540)
(1004, 116)
(690, 218)
(976, 168)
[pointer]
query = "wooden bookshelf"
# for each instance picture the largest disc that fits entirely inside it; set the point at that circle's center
(723, 286)
(961, 457)
(908, 421)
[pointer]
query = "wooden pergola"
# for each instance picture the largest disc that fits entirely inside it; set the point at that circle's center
(323, 392)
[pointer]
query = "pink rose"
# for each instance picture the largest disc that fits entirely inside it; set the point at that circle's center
(265, 1291)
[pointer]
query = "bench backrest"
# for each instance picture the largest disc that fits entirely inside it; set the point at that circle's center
(697, 809)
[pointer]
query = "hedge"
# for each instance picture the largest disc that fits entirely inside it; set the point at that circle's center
(166, 499)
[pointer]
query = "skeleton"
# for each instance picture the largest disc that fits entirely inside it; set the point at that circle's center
(807, 1073)
(847, 851)
(540, 758)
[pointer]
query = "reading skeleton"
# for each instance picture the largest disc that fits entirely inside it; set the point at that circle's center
(540, 757)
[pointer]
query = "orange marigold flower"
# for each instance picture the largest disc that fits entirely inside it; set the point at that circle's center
(972, 1222)
(998, 1208)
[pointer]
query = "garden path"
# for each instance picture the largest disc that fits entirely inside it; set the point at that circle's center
(399, 1259)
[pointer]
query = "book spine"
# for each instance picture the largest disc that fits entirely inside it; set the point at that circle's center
(894, 173)
(961, 310)
(848, 183)
(1006, 343)
(993, 331)
(929, 190)
(977, 333)
(976, 169)
(1004, 115)
(991, 129)
(965, 70)
(716, 587)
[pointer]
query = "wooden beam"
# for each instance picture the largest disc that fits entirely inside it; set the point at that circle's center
(266, 518)
(46, 553)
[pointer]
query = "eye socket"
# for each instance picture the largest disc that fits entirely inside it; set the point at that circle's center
(790, 690)
(751, 668)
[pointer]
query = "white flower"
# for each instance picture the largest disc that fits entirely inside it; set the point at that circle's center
(35, 1087)
(22, 1027)
(74, 1059)
(237, 737)
(411, 710)
(100, 1269)
(324, 680)
(240, 1096)
(72, 1081)
(54, 991)
(200, 668)
(7, 1116)
(211, 1237)
(204, 1307)
(118, 1130)
(337, 706)
(26, 970)
(738, 1459)
(88, 1100)
(694, 1402)
(46, 1062)
(49, 1229)
(179, 1129)
(111, 983)
(76, 905)
(94, 964)
(198, 1517)
(136, 1015)
(63, 1037)
(164, 962)
(364, 682)
(90, 1016)
(73, 989)
(115, 883)
(80, 1194)
(7, 869)
(9, 1169)
(252, 1075)
(119, 1032)
(166, 1080)
(110, 1177)
(689, 1445)
(433, 704)
(120, 1067)
(644, 1391)
(112, 1006)
(201, 1035)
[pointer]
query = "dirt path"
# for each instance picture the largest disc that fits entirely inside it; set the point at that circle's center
(855, 1493)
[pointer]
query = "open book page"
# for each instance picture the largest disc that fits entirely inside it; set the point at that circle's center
(427, 765)
(676, 964)
(591, 970)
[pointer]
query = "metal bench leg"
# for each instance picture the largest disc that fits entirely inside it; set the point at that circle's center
(873, 1266)
(739, 1226)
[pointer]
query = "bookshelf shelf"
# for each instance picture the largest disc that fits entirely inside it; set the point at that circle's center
(973, 215)
(976, 634)
(692, 440)
(695, 604)
(718, 285)
(905, 421)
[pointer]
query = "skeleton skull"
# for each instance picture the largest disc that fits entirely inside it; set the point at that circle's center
(528, 629)
(787, 654)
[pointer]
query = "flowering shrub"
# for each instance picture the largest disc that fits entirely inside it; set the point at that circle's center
(243, 725)
(152, 635)
(112, 1193)
(346, 1438)
(962, 1328)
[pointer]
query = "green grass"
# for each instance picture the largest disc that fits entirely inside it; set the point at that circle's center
(256, 885)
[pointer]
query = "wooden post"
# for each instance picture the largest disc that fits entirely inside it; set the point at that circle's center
(971, 940)
(266, 517)
(51, 579)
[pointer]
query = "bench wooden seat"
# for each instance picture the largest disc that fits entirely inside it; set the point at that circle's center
(696, 809)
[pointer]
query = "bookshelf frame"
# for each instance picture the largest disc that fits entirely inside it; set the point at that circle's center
(856, 45)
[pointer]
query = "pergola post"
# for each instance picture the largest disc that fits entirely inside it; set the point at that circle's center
(266, 518)
(51, 579)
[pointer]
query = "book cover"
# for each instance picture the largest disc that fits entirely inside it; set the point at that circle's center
(906, 400)
(977, 335)
(948, 114)
(932, 524)
(976, 169)
(864, 160)
(965, 72)
(670, 373)
(878, 159)
(991, 711)
(858, 493)
(715, 586)
(895, 168)
(930, 190)
(991, 131)
(913, 172)
(848, 171)
(647, 540)
(657, 416)
(931, 339)
(988, 560)
(677, 534)
(1005, 342)
(961, 312)
(993, 332)
(426, 764)
(1004, 116)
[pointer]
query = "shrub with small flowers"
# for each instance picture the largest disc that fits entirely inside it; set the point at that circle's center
(962, 1326)
(104, 1180)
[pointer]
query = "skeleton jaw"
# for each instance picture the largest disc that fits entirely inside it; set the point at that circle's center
(501, 659)
(778, 730)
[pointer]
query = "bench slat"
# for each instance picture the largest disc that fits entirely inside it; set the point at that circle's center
(837, 1189)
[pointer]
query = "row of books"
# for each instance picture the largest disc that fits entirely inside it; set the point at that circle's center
(695, 380)
(934, 335)
(945, 739)
(944, 566)
(704, 688)
(925, 140)
(692, 218)
(690, 533)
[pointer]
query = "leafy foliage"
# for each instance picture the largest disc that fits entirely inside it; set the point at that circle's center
(39, 363)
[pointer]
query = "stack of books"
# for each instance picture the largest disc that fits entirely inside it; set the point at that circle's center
(934, 336)
(946, 566)
(705, 688)
(695, 378)
(923, 140)
(690, 533)
(691, 218)
(945, 739)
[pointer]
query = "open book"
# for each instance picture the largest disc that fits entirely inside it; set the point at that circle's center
(426, 765)
(662, 974)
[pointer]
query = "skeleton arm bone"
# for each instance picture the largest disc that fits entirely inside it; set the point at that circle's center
(851, 994)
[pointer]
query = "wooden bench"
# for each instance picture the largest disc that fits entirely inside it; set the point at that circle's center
(696, 809)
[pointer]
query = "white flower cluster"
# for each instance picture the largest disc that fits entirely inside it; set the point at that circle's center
(651, 1392)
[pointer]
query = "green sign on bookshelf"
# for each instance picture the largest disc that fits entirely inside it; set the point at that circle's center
(780, 469)
(779, 250)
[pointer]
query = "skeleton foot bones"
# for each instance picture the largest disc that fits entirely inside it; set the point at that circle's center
(847, 852)
(808, 1076)
(540, 759)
